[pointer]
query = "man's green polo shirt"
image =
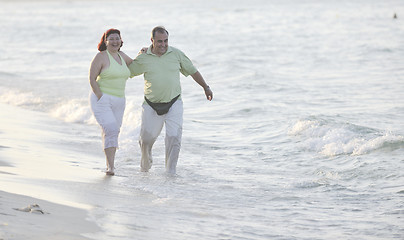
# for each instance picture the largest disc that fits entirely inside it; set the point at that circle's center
(162, 74)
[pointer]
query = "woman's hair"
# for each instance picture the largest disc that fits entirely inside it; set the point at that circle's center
(101, 45)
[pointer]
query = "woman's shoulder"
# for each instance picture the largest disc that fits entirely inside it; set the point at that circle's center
(127, 59)
(122, 54)
(101, 56)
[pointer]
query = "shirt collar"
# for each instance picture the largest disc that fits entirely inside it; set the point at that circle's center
(169, 49)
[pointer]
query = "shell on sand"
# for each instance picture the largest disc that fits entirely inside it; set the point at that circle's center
(33, 208)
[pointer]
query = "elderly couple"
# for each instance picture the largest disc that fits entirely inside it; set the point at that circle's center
(160, 65)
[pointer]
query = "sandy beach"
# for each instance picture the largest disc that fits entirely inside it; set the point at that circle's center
(56, 222)
(304, 138)
(32, 172)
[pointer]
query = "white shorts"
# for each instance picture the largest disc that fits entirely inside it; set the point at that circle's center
(108, 111)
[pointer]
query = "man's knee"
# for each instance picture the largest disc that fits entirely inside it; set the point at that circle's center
(146, 139)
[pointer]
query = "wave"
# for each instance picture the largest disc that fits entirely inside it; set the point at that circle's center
(19, 99)
(74, 111)
(131, 122)
(332, 138)
(79, 111)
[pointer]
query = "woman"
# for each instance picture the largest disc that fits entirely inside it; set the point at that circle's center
(108, 75)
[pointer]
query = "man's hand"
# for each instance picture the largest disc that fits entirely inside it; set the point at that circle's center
(208, 93)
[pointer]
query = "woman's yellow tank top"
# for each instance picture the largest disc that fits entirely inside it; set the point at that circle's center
(112, 80)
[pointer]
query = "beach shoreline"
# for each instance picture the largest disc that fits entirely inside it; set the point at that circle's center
(56, 222)
(33, 171)
(304, 138)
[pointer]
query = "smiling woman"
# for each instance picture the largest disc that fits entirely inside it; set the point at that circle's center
(116, 36)
(108, 75)
(303, 138)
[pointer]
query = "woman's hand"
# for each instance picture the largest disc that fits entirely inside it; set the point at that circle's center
(143, 50)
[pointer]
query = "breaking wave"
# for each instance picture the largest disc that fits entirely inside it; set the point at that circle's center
(333, 138)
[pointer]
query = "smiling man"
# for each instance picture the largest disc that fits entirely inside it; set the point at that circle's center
(161, 66)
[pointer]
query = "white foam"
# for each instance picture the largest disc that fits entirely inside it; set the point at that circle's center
(75, 111)
(131, 123)
(376, 143)
(301, 126)
(18, 98)
(333, 139)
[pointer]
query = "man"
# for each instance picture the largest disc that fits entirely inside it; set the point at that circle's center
(161, 66)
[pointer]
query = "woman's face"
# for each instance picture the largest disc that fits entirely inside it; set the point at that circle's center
(113, 42)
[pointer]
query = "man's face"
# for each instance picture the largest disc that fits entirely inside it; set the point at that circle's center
(160, 43)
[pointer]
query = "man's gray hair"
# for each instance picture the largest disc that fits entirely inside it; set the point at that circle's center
(159, 29)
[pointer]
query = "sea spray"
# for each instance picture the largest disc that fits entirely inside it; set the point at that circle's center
(74, 111)
(332, 138)
(19, 98)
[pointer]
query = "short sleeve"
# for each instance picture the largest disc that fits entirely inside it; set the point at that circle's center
(135, 67)
(187, 68)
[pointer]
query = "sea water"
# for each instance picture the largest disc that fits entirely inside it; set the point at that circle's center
(304, 138)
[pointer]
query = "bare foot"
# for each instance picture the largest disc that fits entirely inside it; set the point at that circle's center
(110, 172)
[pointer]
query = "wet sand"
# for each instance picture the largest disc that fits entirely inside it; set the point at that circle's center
(34, 172)
(57, 221)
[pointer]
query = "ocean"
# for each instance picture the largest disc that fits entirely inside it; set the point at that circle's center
(304, 138)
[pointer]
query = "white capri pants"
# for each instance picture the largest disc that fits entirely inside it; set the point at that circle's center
(152, 124)
(108, 111)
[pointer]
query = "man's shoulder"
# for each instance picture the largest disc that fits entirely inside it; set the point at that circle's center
(175, 50)
(142, 56)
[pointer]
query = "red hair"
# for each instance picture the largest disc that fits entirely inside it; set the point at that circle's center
(101, 45)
